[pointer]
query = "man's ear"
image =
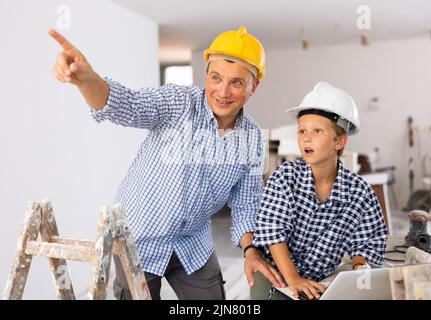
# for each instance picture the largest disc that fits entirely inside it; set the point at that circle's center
(341, 141)
(255, 85)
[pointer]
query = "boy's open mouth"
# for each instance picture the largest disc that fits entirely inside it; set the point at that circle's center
(308, 150)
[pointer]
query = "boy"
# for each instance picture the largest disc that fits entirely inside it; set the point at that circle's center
(314, 210)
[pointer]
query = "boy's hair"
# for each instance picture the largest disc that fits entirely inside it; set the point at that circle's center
(338, 132)
(331, 116)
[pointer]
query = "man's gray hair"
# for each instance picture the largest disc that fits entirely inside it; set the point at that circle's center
(254, 71)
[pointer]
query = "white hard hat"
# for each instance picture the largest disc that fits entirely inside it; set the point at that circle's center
(330, 99)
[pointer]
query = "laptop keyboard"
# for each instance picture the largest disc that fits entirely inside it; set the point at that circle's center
(303, 296)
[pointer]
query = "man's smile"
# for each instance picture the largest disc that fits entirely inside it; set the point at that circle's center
(224, 103)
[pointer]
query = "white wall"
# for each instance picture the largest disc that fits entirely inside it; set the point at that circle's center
(49, 145)
(398, 72)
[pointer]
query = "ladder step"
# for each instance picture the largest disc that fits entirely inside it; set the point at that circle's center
(82, 242)
(60, 251)
(73, 241)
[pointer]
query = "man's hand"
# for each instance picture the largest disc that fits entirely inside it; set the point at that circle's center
(254, 262)
(71, 65)
(311, 288)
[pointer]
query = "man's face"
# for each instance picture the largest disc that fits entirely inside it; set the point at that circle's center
(228, 86)
(317, 139)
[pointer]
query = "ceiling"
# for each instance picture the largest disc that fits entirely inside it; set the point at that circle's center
(188, 25)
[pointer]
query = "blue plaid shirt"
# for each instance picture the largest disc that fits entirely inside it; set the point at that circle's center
(184, 173)
(318, 234)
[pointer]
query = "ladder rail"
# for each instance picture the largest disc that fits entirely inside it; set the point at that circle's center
(20, 266)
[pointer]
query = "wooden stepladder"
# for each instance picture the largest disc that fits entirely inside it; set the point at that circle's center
(113, 237)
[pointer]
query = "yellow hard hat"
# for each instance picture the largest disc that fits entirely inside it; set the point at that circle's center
(241, 45)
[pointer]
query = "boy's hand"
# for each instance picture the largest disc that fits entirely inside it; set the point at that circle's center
(254, 262)
(311, 288)
(71, 65)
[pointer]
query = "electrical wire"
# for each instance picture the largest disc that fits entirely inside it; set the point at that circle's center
(397, 249)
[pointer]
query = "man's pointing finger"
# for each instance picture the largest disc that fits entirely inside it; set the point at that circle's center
(62, 41)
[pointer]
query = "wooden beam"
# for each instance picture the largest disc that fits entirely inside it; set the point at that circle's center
(59, 270)
(60, 251)
(102, 254)
(22, 261)
(73, 241)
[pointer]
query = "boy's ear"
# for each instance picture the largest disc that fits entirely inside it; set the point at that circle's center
(341, 141)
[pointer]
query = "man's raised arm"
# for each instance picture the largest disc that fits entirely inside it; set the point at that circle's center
(71, 66)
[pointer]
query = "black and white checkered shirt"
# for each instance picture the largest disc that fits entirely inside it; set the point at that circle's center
(318, 234)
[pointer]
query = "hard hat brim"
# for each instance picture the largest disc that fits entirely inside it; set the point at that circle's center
(261, 71)
(292, 113)
(292, 116)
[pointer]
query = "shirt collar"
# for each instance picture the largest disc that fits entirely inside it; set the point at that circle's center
(240, 119)
(340, 190)
(209, 115)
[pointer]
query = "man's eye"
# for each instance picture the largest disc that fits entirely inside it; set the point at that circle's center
(237, 83)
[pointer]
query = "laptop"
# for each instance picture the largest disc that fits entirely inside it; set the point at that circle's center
(367, 284)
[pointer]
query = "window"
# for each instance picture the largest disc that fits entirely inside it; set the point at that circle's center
(181, 75)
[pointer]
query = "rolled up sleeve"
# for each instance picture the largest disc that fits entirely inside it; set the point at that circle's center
(244, 203)
(273, 223)
(245, 195)
(144, 108)
(370, 238)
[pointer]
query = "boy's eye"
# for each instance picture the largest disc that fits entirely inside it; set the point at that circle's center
(318, 130)
(300, 131)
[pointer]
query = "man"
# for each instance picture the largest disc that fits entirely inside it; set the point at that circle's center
(202, 152)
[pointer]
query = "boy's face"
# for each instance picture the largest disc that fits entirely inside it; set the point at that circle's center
(317, 139)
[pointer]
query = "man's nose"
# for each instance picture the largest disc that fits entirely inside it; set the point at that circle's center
(224, 90)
